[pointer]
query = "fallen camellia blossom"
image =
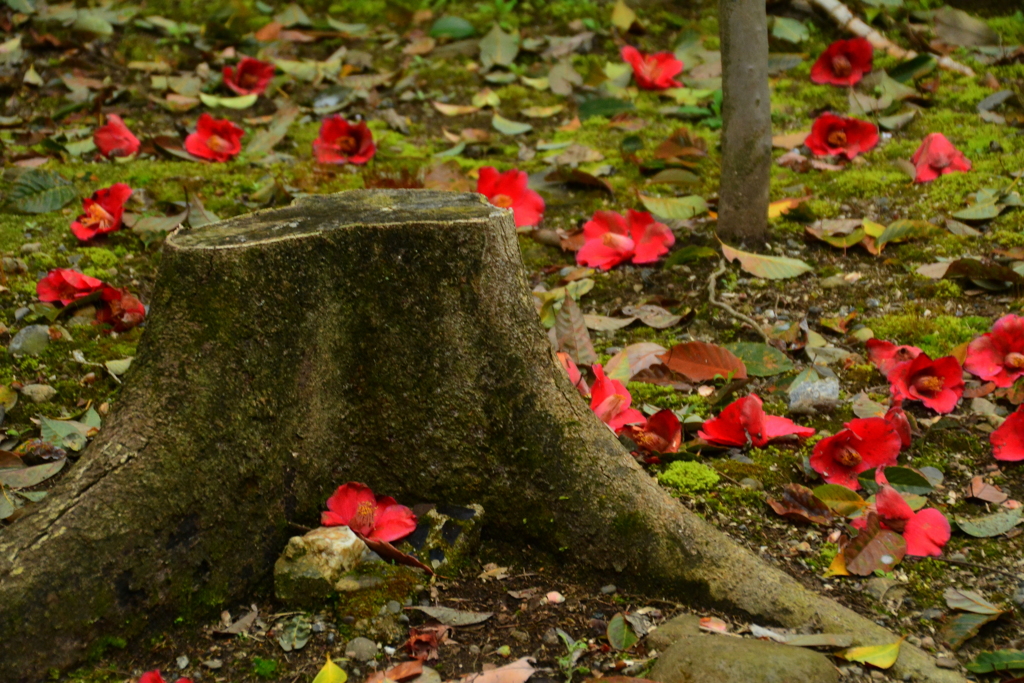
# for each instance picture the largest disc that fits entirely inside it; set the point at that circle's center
(937, 156)
(898, 420)
(612, 238)
(925, 531)
(865, 443)
(938, 384)
(835, 135)
(661, 434)
(610, 401)
(341, 142)
(575, 376)
(155, 677)
(103, 212)
(379, 518)
(114, 139)
(123, 310)
(66, 285)
(214, 139)
(998, 356)
(844, 62)
(251, 76)
(744, 422)
(424, 641)
(1008, 440)
(653, 72)
(508, 190)
(886, 355)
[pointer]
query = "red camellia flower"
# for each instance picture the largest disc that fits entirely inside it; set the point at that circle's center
(610, 401)
(575, 376)
(744, 421)
(938, 384)
(114, 139)
(379, 518)
(662, 434)
(123, 310)
(508, 191)
(998, 356)
(155, 677)
(886, 355)
(937, 156)
(844, 62)
(66, 285)
(251, 76)
(103, 212)
(925, 531)
(1008, 440)
(898, 419)
(653, 72)
(340, 142)
(865, 444)
(214, 139)
(612, 238)
(835, 135)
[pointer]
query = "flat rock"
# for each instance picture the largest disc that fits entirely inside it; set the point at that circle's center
(30, 340)
(38, 393)
(445, 535)
(673, 630)
(361, 649)
(724, 659)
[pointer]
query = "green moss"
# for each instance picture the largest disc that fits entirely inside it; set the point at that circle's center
(265, 668)
(688, 477)
(937, 336)
(99, 257)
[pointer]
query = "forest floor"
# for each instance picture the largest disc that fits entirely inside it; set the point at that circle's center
(442, 107)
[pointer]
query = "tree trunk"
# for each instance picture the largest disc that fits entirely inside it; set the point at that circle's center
(380, 336)
(746, 122)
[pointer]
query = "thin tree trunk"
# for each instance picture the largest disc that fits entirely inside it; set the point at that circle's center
(381, 336)
(747, 122)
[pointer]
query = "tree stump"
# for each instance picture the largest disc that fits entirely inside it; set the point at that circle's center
(387, 337)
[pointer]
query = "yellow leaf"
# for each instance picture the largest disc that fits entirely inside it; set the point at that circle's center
(455, 109)
(838, 567)
(873, 229)
(331, 673)
(784, 206)
(882, 656)
(622, 16)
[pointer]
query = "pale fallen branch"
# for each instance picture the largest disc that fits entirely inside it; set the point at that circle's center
(712, 282)
(842, 15)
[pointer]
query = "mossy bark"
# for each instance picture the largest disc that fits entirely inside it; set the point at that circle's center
(381, 336)
(746, 122)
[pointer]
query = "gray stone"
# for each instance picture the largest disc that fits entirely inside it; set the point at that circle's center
(182, 662)
(38, 393)
(810, 397)
(31, 247)
(361, 649)
(609, 589)
(314, 566)
(672, 630)
(213, 664)
(30, 341)
(445, 535)
(751, 483)
(723, 659)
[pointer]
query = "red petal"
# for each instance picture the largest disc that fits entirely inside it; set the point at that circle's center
(393, 522)
(876, 441)
(891, 505)
(345, 501)
(777, 427)
(152, 677)
(651, 238)
(926, 533)
(1008, 441)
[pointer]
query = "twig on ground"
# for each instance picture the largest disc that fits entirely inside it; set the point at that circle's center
(982, 567)
(841, 14)
(712, 283)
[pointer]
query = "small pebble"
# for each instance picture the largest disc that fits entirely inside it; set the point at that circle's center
(361, 649)
(521, 636)
(213, 664)
(609, 589)
(474, 650)
(751, 483)
(182, 662)
(550, 637)
(873, 303)
(946, 663)
(555, 598)
(31, 247)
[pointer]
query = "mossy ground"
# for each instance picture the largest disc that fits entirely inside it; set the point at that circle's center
(889, 297)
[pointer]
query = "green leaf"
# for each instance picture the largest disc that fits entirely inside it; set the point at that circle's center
(264, 141)
(23, 6)
(840, 499)
(790, 30)
(761, 360)
(294, 634)
(903, 479)
(41, 191)
(979, 212)
(30, 476)
(64, 433)
(675, 207)
(688, 254)
(963, 626)
(897, 121)
(603, 106)
(242, 102)
(620, 633)
(882, 656)
(509, 127)
(767, 267)
(456, 28)
(7, 506)
(903, 230)
(1000, 660)
(969, 601)
(920, 65)
(990, 525)
(331, 673)
(498, 48)
(571, 333)
(91, 22)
